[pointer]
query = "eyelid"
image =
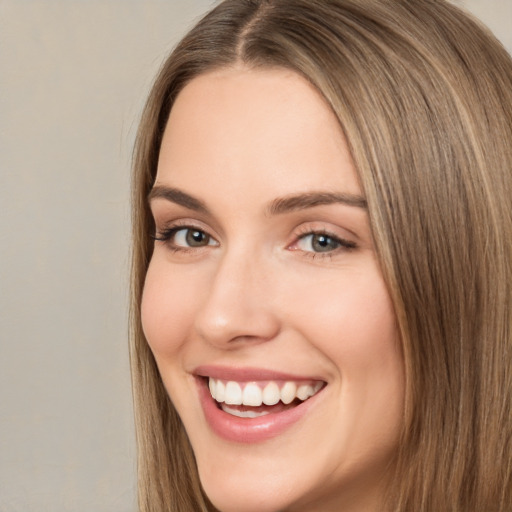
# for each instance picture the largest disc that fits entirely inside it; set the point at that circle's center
(183, 222)
(345, 244)
(166, 214)
(169, 229)
(166, 233)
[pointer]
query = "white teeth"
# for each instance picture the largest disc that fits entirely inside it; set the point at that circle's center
(243, 414)
(304, 392)
(220, 391)
(253, 395)
(288, 392)
(271, 394)
(233, 393)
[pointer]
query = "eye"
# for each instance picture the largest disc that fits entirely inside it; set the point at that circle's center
(322, 243)
(182, 238)
(191, 237)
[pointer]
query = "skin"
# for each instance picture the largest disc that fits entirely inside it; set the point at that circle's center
(258, 293)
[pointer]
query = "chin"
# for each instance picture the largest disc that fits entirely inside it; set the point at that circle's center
(251, 495)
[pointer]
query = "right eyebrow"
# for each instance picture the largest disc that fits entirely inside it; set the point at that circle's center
(177, 196)
(312, 199)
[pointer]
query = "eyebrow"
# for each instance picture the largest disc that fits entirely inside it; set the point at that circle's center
(177, 196)
(312, 199)
(277, 206)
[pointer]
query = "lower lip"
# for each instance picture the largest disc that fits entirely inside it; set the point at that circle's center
(249, 430)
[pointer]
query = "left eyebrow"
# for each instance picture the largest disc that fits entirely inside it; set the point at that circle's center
(177, 196)
(312, 199)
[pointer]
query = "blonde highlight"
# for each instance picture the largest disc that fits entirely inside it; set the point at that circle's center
(424, 96)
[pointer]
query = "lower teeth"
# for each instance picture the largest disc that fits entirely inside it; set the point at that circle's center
(243, 414)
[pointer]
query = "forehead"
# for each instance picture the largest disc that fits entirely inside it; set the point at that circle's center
(266, 129)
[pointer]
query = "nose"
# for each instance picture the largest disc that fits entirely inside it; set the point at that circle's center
(238, 305)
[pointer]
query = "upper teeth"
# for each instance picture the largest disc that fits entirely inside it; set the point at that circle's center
(255, 394)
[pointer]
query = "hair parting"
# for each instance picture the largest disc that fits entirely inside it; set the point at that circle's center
(423, 94)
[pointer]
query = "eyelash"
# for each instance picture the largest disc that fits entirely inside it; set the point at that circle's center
(343, 244)
(166, 235)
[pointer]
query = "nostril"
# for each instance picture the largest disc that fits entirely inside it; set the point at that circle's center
(236, 309)
(238, 327)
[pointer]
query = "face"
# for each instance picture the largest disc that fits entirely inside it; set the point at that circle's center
(264, 304)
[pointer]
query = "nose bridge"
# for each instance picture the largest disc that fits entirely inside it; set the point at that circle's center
(237, 305)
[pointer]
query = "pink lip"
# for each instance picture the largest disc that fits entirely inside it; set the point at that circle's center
(247, 374)
(248, 430)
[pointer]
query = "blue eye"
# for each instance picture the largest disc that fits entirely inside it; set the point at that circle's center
(322, 243)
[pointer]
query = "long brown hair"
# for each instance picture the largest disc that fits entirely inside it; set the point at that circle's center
(424, 96)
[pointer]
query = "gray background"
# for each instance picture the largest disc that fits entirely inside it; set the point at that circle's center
(73, 77)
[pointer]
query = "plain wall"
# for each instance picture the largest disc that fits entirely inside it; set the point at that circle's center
(73, 78)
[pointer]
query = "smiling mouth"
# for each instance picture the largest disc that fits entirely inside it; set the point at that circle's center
(259, 398)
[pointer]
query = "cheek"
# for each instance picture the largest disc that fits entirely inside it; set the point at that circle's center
(167, 310)
(351, 320)
(354, 326)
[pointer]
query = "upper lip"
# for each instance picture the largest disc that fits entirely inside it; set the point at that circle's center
(248, 374)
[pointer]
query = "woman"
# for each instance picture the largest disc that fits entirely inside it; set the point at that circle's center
(322, 263)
